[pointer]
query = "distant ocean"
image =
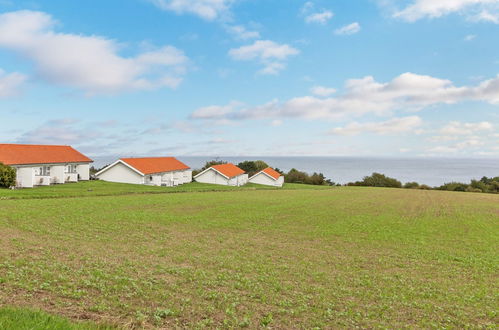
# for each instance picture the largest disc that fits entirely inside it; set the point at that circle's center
(430, 171)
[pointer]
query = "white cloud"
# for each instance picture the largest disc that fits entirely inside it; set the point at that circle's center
(241, 33)
(392, 126)
(470, 143)
(63, 131)
(458, 128)
(276, 123)
(348, 29)
(10, 83)
(322, 91)
(469, 37)
(477, 10)
(215, 111)
(315, 16)
(407, 92)
(90, 63)
(206, 9)
(320, 18)
(269, 53)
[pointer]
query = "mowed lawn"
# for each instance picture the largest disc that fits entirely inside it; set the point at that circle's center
(292, 258)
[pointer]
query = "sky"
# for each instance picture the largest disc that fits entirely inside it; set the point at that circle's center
(394, 78)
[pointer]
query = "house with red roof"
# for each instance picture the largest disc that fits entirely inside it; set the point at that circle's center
(155, 171)
(224, 174)
(42, 165)
(268, 177)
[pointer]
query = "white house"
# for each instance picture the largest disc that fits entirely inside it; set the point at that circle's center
(268, 177)
(155, 171)
(225, 174)
(43, 165)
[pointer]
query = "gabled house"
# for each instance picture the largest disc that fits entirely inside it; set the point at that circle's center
(155, 171)
(268, 177)
(225, 174)
(42, 165)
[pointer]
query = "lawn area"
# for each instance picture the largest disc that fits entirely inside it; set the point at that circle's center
(102, 188)
(132, 256)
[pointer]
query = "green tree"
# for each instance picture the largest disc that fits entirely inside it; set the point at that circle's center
(252, 167)
(213, 162)
(377, 180)
(7, 176)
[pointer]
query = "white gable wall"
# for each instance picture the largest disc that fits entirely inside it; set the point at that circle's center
(213, 177)
(121, 173)
(264, 179)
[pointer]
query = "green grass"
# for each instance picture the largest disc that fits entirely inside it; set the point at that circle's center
(292, 258)
(16, 318)
(101, 188)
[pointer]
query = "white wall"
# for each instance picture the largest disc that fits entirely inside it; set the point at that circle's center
(57, 173)
(214, 177)
(121, 173)
(263, 179)
(83, 171)
(25, 177)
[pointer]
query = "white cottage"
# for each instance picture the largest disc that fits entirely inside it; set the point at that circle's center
(268, 177)
(43, 165)
(155, 171)
(225, 174)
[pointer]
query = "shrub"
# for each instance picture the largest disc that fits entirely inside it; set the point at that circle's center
(295, 176)
(377, 180)
(411, 185)
(454, 186)
(7, 176)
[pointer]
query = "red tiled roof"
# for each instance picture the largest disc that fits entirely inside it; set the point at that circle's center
(25, 154)
(229, 170)
(273, 173)
(152, 165)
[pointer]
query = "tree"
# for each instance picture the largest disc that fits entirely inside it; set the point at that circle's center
(377, 180)
(252, 167)
(411, 185)
(7, 176)
(213, 162)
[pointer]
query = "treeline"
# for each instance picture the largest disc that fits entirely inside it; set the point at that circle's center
(252, 167)
(484, 185)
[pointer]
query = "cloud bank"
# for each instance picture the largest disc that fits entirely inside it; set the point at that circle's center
(89, 63)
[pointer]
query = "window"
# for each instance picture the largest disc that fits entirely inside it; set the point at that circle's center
(71, 168)
(44, 171)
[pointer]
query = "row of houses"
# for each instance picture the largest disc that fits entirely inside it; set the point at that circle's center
(41, 165)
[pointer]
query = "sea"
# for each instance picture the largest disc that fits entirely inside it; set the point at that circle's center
(430, 171)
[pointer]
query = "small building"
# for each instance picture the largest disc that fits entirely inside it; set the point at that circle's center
(154, 171)
(43, 165)
(268, 177)
(225, 174)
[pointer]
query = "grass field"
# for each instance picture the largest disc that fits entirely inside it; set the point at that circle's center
(133, 256)
(101, 188)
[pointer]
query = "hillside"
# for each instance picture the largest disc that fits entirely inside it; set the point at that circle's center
(292, 258)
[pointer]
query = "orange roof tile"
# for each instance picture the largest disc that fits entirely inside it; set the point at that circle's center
(273, 173)
(150, 165)
(229, 170)
(25, 154)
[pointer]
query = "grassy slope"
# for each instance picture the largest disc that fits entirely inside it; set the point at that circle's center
(338, 257)
(101, 188)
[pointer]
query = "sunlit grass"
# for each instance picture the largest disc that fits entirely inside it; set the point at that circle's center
(291, 258)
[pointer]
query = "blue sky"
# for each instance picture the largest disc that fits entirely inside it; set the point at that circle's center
(252, 77)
